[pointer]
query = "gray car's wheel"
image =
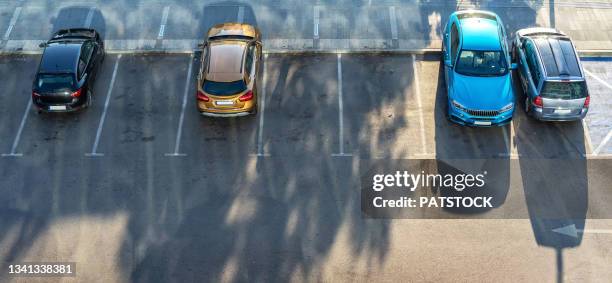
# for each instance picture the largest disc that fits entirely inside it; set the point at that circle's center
(527, 107)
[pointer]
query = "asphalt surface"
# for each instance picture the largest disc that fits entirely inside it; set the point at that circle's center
(279, 199)
(132, 192)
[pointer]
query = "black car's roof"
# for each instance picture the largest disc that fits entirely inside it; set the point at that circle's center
(558, 56)
(60, 57)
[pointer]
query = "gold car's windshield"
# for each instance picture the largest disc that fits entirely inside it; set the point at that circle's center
(224, 88)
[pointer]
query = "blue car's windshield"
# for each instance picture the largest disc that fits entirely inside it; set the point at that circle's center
(481, 63)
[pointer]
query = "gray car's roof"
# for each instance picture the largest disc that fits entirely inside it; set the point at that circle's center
(558, 56)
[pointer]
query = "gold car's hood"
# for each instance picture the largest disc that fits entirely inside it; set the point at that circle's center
(233, 29)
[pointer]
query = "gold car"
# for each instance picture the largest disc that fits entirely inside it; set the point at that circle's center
(227, 80)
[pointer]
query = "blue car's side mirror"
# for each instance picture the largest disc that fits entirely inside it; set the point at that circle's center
(514, 66)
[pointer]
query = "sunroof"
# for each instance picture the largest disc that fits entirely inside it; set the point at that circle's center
(476, 15)
(558, 57)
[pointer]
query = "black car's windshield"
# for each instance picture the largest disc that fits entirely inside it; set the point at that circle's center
(54, 82)
(481, 63)
(564, 90)
(224, 88)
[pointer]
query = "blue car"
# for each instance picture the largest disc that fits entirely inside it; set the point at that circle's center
(478, 70)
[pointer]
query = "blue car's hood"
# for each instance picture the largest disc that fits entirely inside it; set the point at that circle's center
(482, 93)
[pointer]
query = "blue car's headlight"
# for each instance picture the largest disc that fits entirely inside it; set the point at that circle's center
(507, 108)
(458, 105)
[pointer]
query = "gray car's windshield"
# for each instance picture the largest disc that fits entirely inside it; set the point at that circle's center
(564, 90)
(481, 63)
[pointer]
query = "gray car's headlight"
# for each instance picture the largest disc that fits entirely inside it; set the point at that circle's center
(507, 108)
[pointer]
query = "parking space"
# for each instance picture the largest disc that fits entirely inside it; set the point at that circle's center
(599, 119)
(18, 74)
(382, 112)
(143, 112)
(302, 105)
(8, 14)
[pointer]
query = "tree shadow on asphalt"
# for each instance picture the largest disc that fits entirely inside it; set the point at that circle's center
(222, 215)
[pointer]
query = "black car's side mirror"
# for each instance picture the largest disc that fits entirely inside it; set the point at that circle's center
(42, 45)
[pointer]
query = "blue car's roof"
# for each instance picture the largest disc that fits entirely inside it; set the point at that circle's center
(480, 34)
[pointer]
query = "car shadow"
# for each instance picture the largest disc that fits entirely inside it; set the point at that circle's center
(462, 149)
(79, 17)
(555, 182)
(225, 12)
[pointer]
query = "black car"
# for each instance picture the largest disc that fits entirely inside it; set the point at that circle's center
(67, 70)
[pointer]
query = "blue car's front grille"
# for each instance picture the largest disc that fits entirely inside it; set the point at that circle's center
(483, 113)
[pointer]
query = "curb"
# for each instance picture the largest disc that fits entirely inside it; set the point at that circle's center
(423, 51)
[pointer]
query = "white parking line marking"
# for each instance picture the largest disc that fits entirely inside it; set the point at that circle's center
(179, 133)
(587, 137)
(94, 149)
(164, 21)
(240, 14)
(262, 112)
(24, 118)
(340, 111)
(13, 21)
(89, 18)
(419, 104)
(598, 79)
(317, 12)
(603, 143)
(393, 22)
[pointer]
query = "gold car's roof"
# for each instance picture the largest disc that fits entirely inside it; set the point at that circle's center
(225, 63)
(232, 29)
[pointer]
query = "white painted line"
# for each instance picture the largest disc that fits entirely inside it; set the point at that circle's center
(94, 149)
(179, 133)
(587, 136)
(419, 104)
(603, 143)
(340, 111)
(598, 79)
(393, 22)
(240, 14)
(262, 111)
(24, 118)
(317, 14)
(164, 21)
(12, 23)
(89, 18)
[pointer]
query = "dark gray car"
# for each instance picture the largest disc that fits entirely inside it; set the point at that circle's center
(551, 75)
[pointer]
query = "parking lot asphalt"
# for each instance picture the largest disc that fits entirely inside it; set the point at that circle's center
(275, 197)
